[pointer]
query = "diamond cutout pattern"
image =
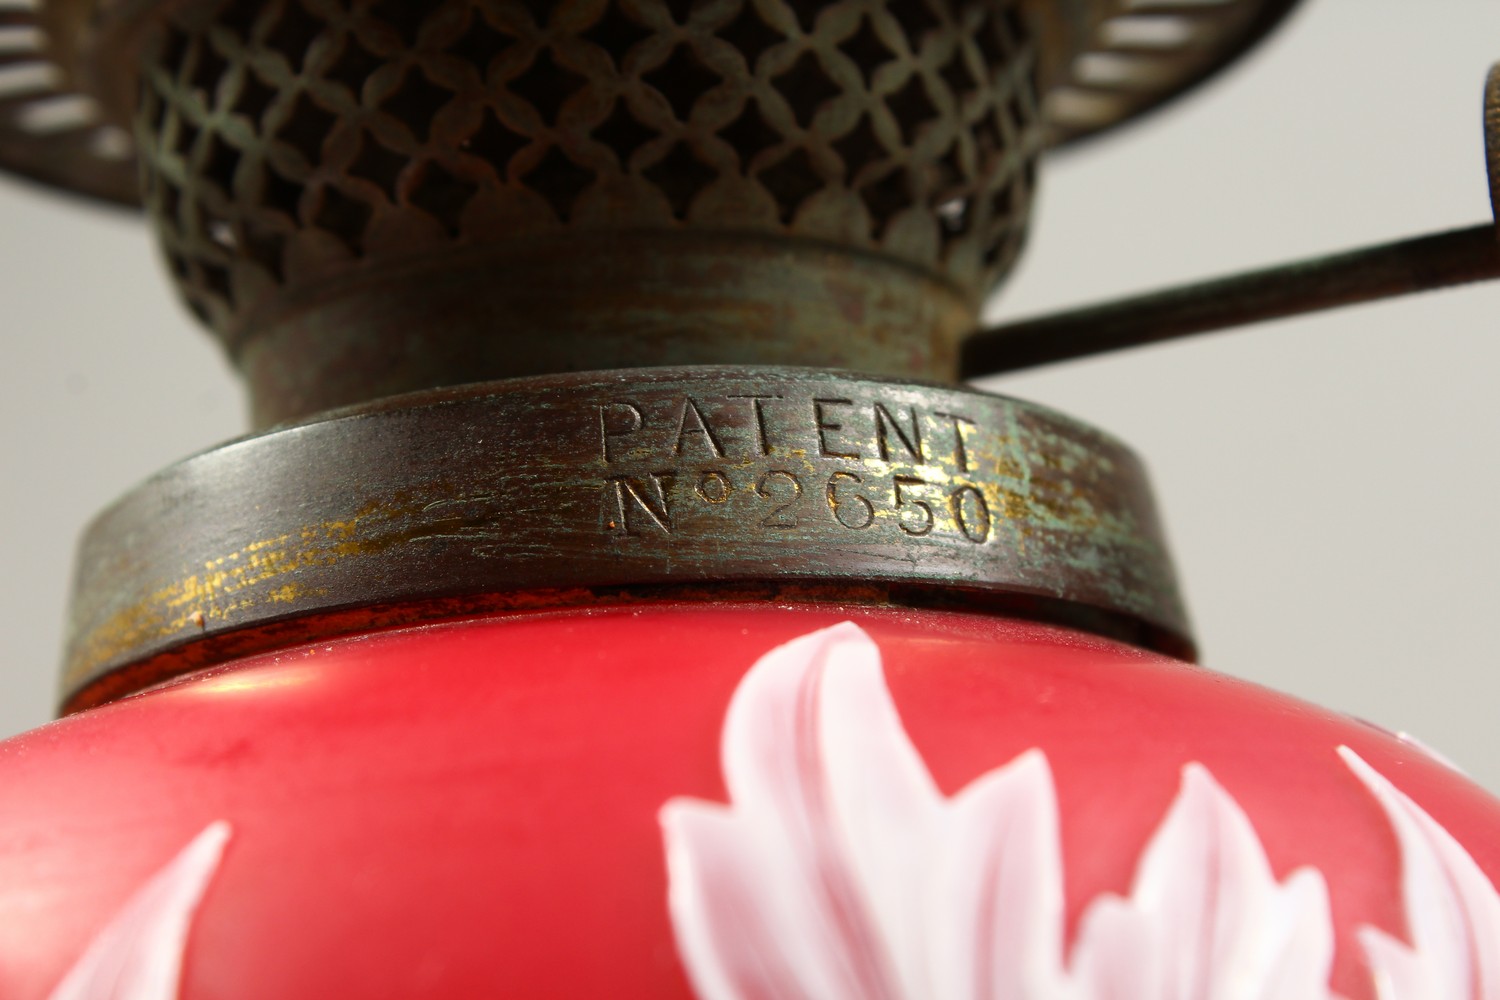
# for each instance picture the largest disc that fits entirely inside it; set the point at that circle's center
(221, 163)
(622, 133)
(680, 10)
(294, 34)
(956, 75)
(944, 127)
(682, 79)
(307, 128)
(681, 177)
(858, 147)
(806, 14)
(282, 194)
(266, 249)
(378, 165)
(751, 35)
(540, 11)
(480, 44)
(1000, 36)
(354, 66)
(496, 144)
(867, 51)
(948, 173)
(187, 136)
(912, 108)
(791, 182)
(887, 197)
(208, 70)
(343, 216)
(989, 140)
(442, 195)
(749, 134)
(416, 103)
(916, 19)
(617, 33)
(806, 86)
(239, 16)
(546, 85)
(405, 16)
(254, 98)
(560, 181)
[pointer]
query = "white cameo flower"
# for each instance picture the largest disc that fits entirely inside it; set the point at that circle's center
(138, 954)
(1452, 911)
(839, 871)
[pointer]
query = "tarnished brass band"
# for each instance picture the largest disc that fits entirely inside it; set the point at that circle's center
(608, 480)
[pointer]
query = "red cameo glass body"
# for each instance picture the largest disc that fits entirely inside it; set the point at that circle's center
(476, 808)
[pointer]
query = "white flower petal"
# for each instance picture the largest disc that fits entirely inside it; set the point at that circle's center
(1117, 957)
(994, 917)
(1212, 923)
(138, 955)
(727, 932)
(1301, 946)
(1452, 909)
(884, 807)
(840, 872)
(823, 787)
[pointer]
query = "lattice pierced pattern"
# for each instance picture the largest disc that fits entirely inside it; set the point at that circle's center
(286, 140)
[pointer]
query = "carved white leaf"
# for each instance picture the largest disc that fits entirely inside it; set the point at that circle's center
(1452, 909)
(1206, 918)
(138, 955)
(840, 871)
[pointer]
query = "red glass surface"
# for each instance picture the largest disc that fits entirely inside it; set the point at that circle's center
(471, 809)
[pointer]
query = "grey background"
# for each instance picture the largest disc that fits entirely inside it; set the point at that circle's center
(1331, 484)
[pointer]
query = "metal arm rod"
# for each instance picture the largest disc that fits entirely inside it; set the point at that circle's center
(1417, 265)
